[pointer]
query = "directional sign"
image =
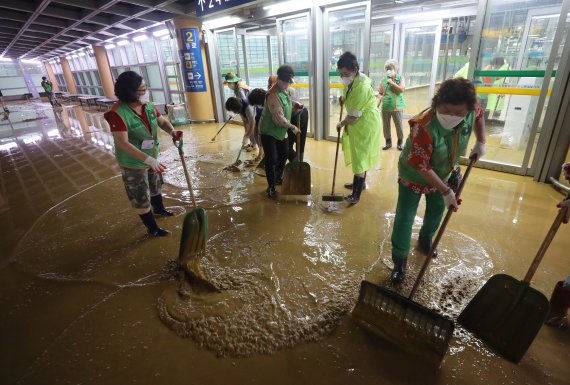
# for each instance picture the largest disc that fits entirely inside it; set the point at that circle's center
(191, 59)
(206, 7)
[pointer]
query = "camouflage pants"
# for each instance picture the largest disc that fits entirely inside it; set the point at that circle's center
(140, 185)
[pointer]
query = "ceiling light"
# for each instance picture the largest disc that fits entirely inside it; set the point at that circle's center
(110, 46)
(160, 32)
(5, 59)
(123, 42)
(30, 61)
(140, 38)
(81, 54)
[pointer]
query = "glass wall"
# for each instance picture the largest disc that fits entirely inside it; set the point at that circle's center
(85, 73)
(516, 40)
(13, 81)
(346, 28)
(59, 78)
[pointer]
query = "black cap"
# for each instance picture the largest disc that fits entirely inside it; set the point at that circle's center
(285, 73)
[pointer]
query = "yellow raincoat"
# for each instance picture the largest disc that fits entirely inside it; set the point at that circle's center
(361, 140)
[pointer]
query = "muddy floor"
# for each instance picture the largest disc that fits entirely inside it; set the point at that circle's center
(88, 298)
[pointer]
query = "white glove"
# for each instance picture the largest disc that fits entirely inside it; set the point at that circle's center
(295, 130)
(478, 150)
(245, 140)
(154, 164)
(450, 200)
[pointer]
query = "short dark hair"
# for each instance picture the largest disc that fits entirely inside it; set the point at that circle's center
(498, 61)
(348, 60)
(234, 105)
(126, 86)
(43, 78)
(257, 97)
(456, 91)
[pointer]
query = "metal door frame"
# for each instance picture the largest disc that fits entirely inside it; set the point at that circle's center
(438, 23)
(281, 57)
(326, 55)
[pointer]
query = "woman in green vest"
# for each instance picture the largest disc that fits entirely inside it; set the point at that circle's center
(273, 126)
(438, 137)
(134, 123)
(391, 98)
(361, 137)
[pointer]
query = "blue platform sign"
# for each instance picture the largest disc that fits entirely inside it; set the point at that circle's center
(191, 59)
(206, 7)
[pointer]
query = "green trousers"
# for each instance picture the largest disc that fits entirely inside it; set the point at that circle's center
(406, 209)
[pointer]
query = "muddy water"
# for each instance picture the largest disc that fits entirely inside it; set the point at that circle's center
(88, 298)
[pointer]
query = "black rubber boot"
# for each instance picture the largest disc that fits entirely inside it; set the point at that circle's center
(399, 271)
(150, 223)
(158, 207)
(271, 193)
(425, 245)
(388, 144)
(349, 185)
(358, 186)
(301, 156)
(400, 147)
(559, 304)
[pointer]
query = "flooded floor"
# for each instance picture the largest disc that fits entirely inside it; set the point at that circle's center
(88, 298)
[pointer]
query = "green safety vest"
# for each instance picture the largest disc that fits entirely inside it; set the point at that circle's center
(448, 146)
(391, 100)
(47, 86)
(267, 126)
(137, 133)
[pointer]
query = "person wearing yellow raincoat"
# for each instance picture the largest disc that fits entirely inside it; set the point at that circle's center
(495, 102)
(361, 137)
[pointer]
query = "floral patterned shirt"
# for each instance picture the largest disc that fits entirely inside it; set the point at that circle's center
(421, 148)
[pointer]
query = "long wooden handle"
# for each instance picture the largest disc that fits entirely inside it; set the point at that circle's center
(441, 230)
(336, 155)
(298, 139)
(220, 130)
(544, 246)
(186, 173)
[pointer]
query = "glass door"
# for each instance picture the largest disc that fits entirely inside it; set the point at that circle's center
(517, 42)
(228, 60)
(418, 60)
(295, 49)
(346, 29)
(381, 49)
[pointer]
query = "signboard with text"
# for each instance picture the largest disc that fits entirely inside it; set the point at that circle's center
(206, 7)
(191, 59)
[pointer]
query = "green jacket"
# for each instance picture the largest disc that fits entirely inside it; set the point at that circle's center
(137, 133)
(391, 100)
(361, 140)
(267, 126)
(447, 146)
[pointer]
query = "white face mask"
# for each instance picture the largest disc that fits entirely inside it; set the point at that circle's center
(232, 86)
(347, 80)
(144, 98)
(390, 73)
(449, 121)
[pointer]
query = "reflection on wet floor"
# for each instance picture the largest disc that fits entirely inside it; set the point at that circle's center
(91, 299)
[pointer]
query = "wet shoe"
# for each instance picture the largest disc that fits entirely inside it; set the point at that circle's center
(400, 147)
(278, 181)
(349, 186)
(271, 193)
(388, 144)
(425, 245)
(152, 227)
(399, 271)
(250, 148)
(158, 207)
